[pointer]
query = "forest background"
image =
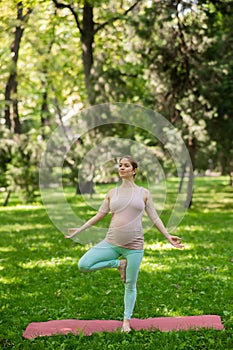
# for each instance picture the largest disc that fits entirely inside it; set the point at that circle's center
(173, 57)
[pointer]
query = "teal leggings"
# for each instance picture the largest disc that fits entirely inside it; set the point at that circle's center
(105, 255)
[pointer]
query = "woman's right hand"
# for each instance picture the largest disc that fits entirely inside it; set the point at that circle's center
(72, 232)
(176, 242)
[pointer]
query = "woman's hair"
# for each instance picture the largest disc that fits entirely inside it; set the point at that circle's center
(132, 161)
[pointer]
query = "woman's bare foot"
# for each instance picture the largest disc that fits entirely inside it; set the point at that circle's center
(122, 269)
(125, 327)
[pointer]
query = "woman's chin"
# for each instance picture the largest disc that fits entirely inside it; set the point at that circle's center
(126, 178)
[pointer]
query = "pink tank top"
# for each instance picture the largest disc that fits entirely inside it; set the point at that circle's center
(125, 229)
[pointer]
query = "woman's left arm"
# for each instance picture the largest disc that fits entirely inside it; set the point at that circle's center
(153, 215)
(174, 240)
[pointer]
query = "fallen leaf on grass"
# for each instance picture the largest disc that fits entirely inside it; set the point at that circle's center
(177, 286)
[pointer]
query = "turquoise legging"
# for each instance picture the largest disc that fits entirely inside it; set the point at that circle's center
(105, 255)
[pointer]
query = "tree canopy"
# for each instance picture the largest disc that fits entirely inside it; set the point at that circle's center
(174, 57)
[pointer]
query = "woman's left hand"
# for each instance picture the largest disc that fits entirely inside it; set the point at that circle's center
(72, 232)
(176, 242)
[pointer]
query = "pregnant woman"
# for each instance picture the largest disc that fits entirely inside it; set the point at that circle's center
(124, 239)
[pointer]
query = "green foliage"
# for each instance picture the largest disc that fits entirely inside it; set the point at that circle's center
(20, 159)
(40, 280)
(188, 55)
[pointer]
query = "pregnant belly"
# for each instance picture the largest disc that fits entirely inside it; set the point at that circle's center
(126, 223)
(122, 237)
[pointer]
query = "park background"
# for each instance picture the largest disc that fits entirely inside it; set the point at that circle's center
(60, 57)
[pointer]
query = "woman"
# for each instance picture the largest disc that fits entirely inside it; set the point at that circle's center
(125, 236)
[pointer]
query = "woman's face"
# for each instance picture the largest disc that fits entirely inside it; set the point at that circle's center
(125, 169)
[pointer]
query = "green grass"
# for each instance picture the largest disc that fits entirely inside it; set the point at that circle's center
(40, 280)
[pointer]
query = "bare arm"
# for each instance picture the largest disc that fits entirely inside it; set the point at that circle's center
(94, 220)
(174, 240)
(151, 212)
(103, 211)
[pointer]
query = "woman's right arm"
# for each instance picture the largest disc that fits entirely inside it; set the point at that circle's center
(102, 212)
(73, 231)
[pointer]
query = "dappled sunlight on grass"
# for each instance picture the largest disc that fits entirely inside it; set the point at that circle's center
(53, 263)
(40, 237)
(10, 280)
(9, 228)
(193, 246)
(151, 266)
(25, 207)
(158, 246)
(7, 249)
(191, 228)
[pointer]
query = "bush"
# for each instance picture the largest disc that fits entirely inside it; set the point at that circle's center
(19, 161)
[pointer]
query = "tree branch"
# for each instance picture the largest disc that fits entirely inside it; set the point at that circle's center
(182, 46)
(24, 18)
(60, 5)
(113, 19)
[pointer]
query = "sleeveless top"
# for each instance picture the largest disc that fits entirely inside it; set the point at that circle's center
(125, 228)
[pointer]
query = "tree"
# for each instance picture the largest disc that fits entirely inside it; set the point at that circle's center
(12, 119)
(88, 29)
(217, 75)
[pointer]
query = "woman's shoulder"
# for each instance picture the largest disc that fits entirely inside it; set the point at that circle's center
(145, 193)
(111, 192)
(144, 190)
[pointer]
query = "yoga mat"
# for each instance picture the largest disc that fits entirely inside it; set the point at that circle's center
(87, 327)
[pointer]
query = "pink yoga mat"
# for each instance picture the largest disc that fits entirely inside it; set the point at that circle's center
(87, 327)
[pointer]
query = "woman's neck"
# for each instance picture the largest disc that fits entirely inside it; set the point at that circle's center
(129, 183)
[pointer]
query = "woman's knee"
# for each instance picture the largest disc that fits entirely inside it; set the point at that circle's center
(83, 266)
(130, 285)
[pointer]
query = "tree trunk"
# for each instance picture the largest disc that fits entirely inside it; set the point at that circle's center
(192, 153)
(7, 100)
(189, 195)
(182, 177)
(16, 121)
(45, 115)
(87, 39)
(11, 91)
(231, 179)
(6, 200)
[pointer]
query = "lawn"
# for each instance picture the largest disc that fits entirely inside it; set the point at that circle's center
(40, 280)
